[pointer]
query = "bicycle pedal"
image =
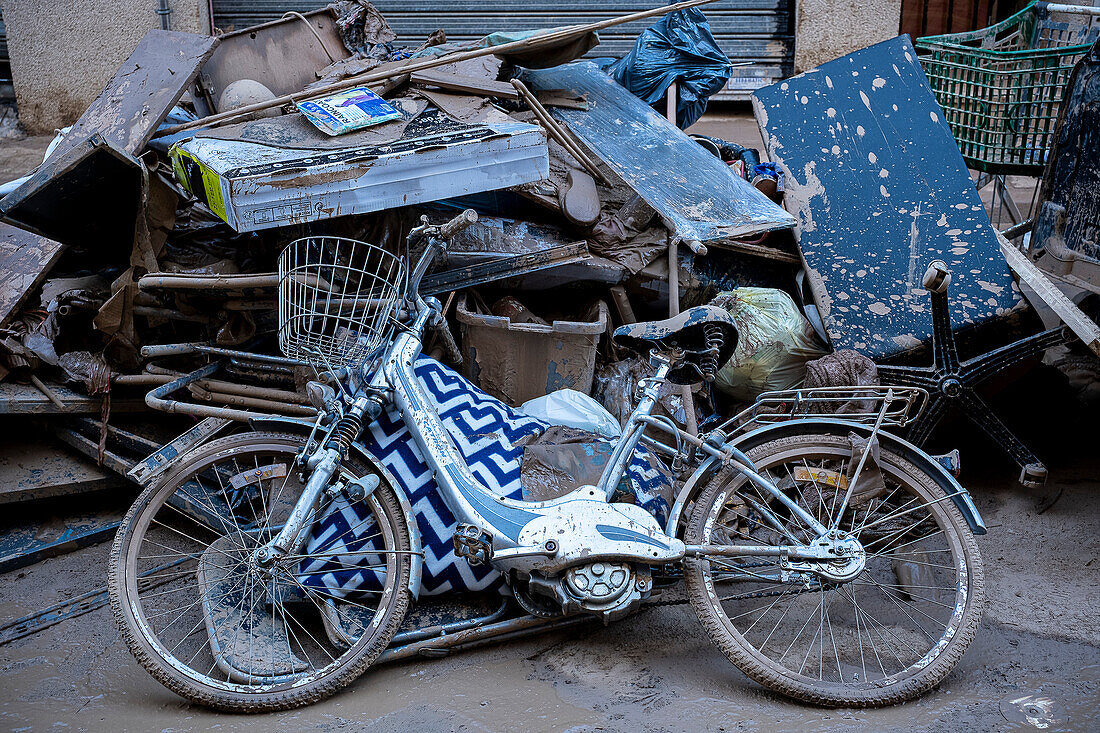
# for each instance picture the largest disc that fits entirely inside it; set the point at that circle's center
(473, 543)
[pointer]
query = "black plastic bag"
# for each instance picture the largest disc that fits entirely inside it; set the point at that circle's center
(679, 47)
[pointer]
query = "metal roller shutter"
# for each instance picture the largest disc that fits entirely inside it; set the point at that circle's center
(759, 31)
(5, 59)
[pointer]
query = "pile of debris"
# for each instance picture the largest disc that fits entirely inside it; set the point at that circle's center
(140, 257)
(204, 157)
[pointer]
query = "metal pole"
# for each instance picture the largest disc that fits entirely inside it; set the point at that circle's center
(673, 311)
(164, 10)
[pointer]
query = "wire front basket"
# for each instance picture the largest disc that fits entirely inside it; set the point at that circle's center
(337, 299)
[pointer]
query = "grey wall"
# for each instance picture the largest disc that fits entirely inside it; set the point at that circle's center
(828, 29)
(63, 54)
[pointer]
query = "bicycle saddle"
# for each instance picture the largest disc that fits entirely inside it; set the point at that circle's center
(706, 334)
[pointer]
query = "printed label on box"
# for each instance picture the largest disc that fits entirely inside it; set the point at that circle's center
(348, 110)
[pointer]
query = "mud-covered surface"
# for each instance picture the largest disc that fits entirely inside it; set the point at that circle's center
(1040, 637)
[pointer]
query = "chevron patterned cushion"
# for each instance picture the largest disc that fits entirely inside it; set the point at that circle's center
(490, 436)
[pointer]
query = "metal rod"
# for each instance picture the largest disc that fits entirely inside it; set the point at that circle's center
(258, 403)
(151, 352)
(160, 375)
(1017, 229)
(558, 132)
(204, 282)
(481, 634)
(429, 632)
(863, 458)
(673, 311)
(158, 399)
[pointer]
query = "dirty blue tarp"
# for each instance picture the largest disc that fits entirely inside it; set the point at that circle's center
(677, 48)
(692, 190)
(880, 190)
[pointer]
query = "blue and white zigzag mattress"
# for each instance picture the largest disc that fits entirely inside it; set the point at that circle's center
(490, 436)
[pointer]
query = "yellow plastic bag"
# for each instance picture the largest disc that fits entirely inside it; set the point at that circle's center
(775, 343)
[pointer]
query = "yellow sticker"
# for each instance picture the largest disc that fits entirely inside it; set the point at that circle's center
(821, 475)
(197, 178)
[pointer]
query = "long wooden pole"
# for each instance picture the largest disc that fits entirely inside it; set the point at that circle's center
(557, 132)
(527, 44)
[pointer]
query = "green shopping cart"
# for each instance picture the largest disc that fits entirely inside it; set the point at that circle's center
(1000, 87)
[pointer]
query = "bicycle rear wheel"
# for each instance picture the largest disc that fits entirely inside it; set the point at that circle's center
(212, 624)
(885, 635)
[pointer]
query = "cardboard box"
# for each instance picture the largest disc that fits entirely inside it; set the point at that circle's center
(253, 186)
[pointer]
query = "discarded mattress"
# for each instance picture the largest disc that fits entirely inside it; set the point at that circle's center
(490, 437)
(253, 185)
(880, 191)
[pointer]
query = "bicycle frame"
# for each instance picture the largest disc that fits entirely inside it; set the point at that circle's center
(548, 536)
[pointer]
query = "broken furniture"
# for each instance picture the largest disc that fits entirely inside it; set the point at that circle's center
(875, 179)
(282, 55)
(692, 191)
(881, 193)
(952, 382)
(1065, 240)
(532, 49)
(95, 169)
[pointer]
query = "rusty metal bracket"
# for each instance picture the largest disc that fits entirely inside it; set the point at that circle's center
(503, 268)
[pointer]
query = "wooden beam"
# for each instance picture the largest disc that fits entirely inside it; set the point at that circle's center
(1081, 325)
(25, 259)
(461, 83)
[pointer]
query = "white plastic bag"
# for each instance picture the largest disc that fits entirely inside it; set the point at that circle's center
(775, 343)
(573, 409)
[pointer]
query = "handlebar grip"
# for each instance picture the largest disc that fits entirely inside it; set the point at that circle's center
(150, 352)
(457, 224)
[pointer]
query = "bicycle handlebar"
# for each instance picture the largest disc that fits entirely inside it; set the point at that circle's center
(437, 234)
(457, 224)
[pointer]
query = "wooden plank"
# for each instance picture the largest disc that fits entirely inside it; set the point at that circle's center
(34, 469)
(143, 90)
(463, 83)
(34, 541)
(24, 399)
(25, 259)
(1081, 325)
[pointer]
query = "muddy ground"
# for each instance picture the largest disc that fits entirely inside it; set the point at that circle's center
(655, 671)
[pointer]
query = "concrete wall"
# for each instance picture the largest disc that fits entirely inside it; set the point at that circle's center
(63, 53)
(828, 29)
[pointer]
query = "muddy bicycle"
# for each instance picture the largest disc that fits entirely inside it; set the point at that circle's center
(828, 559)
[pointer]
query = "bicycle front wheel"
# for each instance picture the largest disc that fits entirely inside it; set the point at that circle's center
(219, 627)
(882, 636)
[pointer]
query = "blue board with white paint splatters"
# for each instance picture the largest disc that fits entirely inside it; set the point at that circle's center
(880, 190)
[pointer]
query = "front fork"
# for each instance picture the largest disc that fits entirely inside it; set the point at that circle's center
(323, 464)
(293, 534)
